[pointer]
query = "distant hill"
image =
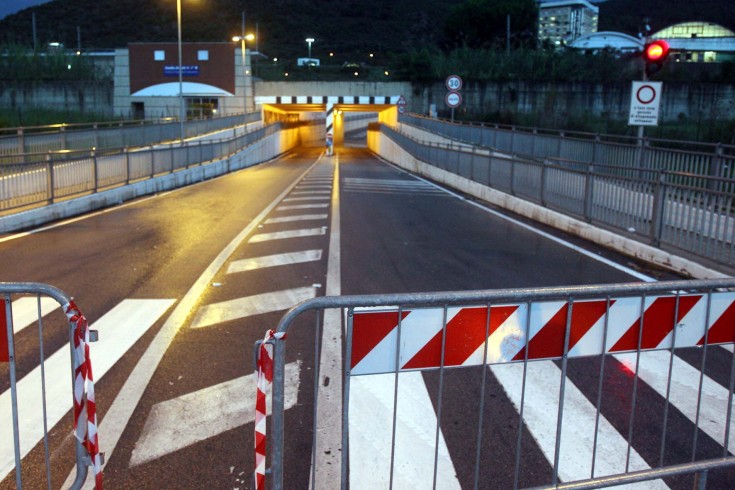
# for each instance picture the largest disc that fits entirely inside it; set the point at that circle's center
(349, 28)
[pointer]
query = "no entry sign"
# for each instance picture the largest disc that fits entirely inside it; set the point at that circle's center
(645, 99)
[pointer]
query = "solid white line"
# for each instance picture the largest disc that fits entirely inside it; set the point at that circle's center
(578, 424)
(328, 449)
(274, 261)
(118, 330)
(281, 235)
(302, 206)
(118, 415)
(371, 427)
(530, 228)
(207, 413)
(25, 310)
(301, 217)
(653, 369)
(238, 308)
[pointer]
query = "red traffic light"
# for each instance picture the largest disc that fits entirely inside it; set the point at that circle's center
(656, 51)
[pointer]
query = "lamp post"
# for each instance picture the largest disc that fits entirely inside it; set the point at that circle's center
(182, 113)
(309, 40)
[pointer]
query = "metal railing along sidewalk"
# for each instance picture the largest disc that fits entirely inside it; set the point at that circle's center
(451, 334)
(33, 405)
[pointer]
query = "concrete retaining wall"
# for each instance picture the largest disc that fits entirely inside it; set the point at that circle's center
(91, 96)
(390, 151)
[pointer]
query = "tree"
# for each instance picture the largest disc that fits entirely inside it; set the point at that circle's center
(482, 23)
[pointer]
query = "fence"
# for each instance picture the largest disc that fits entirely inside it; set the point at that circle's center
(691, 213)
(41, 396)
(17, 142)
(48, 180)
(620, 324)
(707, 159)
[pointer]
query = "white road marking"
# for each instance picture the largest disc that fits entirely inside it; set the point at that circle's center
(313, 187)
(728, 347)
(300, 217)
(236, 309)
(654, 369)
(25, 310)
(207, 413)
(371, 426)
(327, 457)
(310, 193)
(578, 424)
(274, 261)
(302, 206)
(121, 410)
(291, 199)
(118, 330)
(281, 235)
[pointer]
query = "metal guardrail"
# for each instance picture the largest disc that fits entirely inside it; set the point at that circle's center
(689, 212)
(706, 159)
(25, 305)
(48, 180)
(19, 145)
(398, 333)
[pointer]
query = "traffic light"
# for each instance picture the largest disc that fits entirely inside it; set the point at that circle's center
(654, 54)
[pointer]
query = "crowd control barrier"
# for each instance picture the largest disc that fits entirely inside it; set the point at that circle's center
(451, 336)
(31, 406)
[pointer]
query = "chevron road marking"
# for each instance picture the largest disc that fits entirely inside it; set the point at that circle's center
(236, 309)
(274, 261)
(118, 330)
(207, 413)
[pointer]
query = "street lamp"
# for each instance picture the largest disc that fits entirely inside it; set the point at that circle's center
(182, 114)
(309, 40)
(242, 39)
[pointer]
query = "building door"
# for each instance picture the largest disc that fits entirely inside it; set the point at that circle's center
(138, 110)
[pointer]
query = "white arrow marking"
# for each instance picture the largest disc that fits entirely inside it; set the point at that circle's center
(250, 305)
(119, 329)
(274, 261)
(175, 424)
(25, 310)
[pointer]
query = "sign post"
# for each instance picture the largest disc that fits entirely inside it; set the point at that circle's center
(401, 105)
(453, 98)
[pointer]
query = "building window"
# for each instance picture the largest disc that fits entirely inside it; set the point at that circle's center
(159, 55)
(203, 55)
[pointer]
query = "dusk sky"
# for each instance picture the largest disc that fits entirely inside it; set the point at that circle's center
(8, 7)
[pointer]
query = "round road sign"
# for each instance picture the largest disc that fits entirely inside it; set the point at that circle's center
(646, 94)
(454, 83)
(453, 99)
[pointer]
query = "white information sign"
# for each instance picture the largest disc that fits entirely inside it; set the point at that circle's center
(645, 99)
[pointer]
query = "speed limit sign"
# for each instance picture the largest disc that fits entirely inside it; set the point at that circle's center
(454, 83)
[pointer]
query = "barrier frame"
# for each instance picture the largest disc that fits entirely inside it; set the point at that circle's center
(82, 458)
(487, 298)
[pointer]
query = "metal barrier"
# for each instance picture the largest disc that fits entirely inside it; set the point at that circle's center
(703, 159)
(49, 180)
(16, 143)
(692, 213)
(39, 396)
(623, 324)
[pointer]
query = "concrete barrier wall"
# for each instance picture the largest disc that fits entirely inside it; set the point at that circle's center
(90, 96)
(390, 151)
(259, 152)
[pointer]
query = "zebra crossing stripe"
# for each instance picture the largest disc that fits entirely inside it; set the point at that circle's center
(208, 412)
(274, 261)
(118, 330)
(316, 198)
(25, 310)
(300, 217)
(302, 206)
(239, 308)
(282, 235)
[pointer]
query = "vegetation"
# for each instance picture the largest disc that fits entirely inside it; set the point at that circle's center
(38, 116)
(19, 64)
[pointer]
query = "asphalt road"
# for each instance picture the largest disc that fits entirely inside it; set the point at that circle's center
(224, 258)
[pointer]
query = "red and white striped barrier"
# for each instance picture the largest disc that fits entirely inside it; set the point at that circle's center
(85, 409)
(264, 379)
(470, 331)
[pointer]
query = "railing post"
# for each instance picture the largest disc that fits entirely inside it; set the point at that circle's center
(512, 139)
(715, 169)
(62, 132)
(512, 174)
(700, 480)
(596, 149)
(277, 417)
(127, 165)
(659, 206)
(533, 141)
(96, 169)
(542, 190)
(96, 135)
(559, 142)
(50, 178)
(588, 192)
(21, 141)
